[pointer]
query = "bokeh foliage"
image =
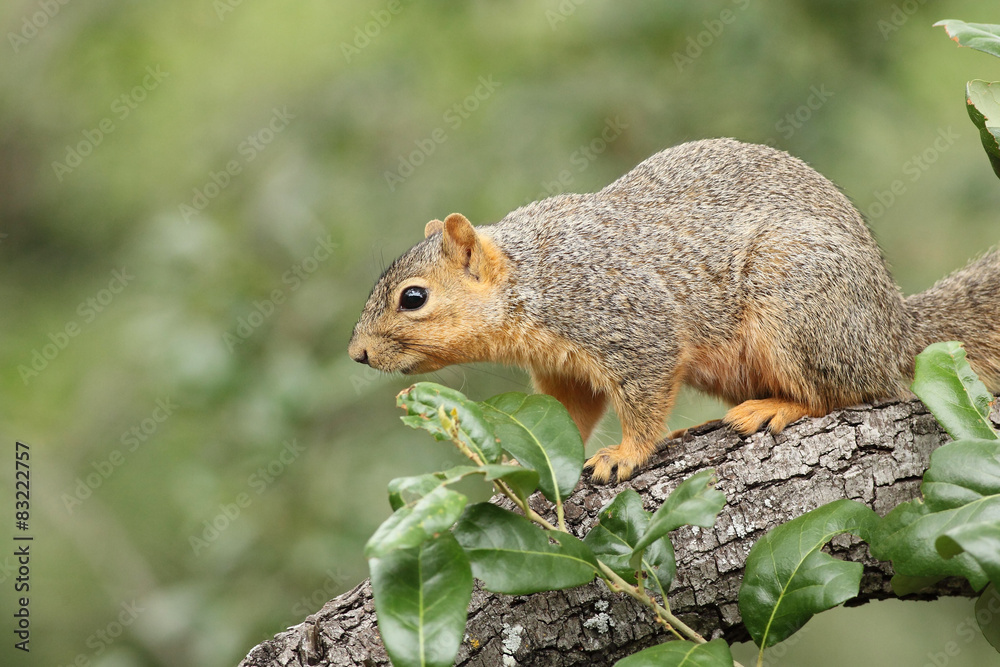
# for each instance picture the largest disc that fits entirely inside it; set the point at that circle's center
(867, 92)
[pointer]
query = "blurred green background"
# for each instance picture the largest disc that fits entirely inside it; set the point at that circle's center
(207, 462)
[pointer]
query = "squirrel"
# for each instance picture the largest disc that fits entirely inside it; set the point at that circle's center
(733, 268)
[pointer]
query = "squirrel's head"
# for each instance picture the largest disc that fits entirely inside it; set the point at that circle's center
(437, 304)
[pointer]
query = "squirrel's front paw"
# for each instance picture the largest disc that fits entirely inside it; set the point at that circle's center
(606, 460)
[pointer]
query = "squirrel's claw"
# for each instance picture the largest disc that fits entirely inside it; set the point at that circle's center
(606, 460)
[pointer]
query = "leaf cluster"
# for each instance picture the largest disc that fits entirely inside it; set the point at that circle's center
(982, 98)
(954, 529)
(424, 556)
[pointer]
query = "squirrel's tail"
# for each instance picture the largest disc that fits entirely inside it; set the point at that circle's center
(964, 306)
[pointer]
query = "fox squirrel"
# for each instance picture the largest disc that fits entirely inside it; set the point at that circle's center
(734, 268)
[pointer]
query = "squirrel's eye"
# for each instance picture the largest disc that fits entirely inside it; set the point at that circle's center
(412, 298)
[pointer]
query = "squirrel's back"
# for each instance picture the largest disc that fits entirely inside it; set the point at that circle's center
(746, 252)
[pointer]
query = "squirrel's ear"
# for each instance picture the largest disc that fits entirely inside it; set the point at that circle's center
(475, 254)
(460, 241)
(433, 227)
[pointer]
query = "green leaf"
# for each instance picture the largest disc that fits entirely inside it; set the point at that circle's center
(961, 486)
(514, 556)
(422, 598)
(981, 540)
(423, 402)
(979, 36)
(537, 431)
(681, 654)
(788, 579)
(963, 472)
(406, 490)
(982, 100)
(522, 481)
(988, 615)
(620, 525)
(694, 502)
(906, 537)
(947, 385)
(410, 525)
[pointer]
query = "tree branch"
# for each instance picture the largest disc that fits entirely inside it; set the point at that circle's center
(874, 454)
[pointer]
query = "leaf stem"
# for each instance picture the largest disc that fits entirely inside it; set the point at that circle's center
(528, 512)
(450, 423)
(643, 597)
(452, 426)
(664, 616)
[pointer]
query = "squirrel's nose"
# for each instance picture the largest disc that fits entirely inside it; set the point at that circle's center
(357, 350)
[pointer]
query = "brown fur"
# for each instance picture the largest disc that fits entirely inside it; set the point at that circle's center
(733, 268)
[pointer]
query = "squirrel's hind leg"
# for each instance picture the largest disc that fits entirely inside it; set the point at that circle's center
(750, 416)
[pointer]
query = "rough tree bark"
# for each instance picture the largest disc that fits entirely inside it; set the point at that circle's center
(875, 454)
